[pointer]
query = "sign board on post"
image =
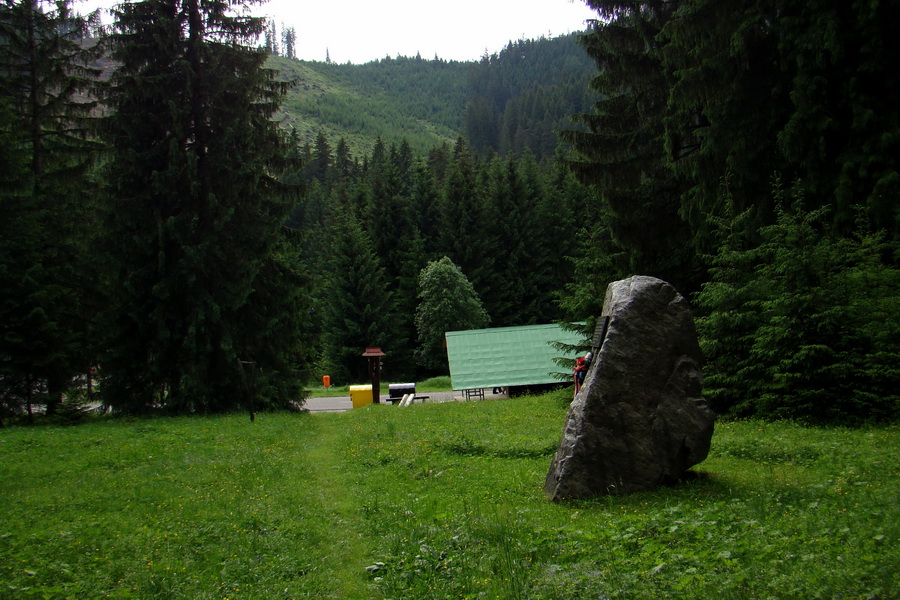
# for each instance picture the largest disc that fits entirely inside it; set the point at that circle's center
(374, 354)
(600, 333)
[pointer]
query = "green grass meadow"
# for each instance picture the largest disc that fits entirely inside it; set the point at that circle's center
(441, 501)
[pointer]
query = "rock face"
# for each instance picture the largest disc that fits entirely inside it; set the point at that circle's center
(639, 420)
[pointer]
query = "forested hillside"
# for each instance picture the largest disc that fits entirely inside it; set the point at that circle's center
(372, 223)
(515, 99)
(520, 98)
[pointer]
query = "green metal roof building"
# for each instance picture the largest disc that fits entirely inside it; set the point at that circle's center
(507, 356)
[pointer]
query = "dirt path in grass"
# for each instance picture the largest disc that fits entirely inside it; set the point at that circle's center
(346, 550)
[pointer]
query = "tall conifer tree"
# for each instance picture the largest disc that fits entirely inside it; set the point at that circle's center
(391, 224)
(532, 238)
(805, 88)
(45, 193)
(552, 236)
(425, 206)
(720, 124)
(509, 212)
(623, 151)
(360, 308)
(196, 214)
(466, 225)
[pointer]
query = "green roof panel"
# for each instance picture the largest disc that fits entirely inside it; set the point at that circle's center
(507, 356)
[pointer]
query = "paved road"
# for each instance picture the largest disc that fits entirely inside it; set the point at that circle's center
(342, 403)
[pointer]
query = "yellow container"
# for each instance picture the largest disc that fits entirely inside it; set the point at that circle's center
(361, 395)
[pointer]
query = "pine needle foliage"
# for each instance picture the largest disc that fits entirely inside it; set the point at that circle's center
(359, 307)
(196, 213)
(622, 153)
(46, 196)
(802, 325)
(807, 88)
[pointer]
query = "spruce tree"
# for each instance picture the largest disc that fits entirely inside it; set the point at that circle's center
(623, 151)
(720, 123)
(359, 307)
(509, 212)
(807, 88)
(19, 230)
(730, 307)
(802, 325)
(344, 165)
(289, 41)
(425, 207)
(466, 226)
(391, 225)
(196, 214)
(596, 263)
(46, 273)
(550, 231)
(532, 238)
(271, 38)
(318, 168)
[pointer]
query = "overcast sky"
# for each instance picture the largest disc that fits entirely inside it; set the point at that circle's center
(364, 30)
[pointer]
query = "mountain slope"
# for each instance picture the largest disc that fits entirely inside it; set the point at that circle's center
(413, 99)
(504, 103)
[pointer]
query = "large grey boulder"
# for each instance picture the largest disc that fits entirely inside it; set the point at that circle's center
(639, 420)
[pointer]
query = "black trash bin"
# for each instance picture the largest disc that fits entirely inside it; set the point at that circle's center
(396, 391)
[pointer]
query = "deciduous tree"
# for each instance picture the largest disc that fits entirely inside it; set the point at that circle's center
(447, 302)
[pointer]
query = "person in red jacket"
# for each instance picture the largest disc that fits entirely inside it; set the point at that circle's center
(581, 366)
